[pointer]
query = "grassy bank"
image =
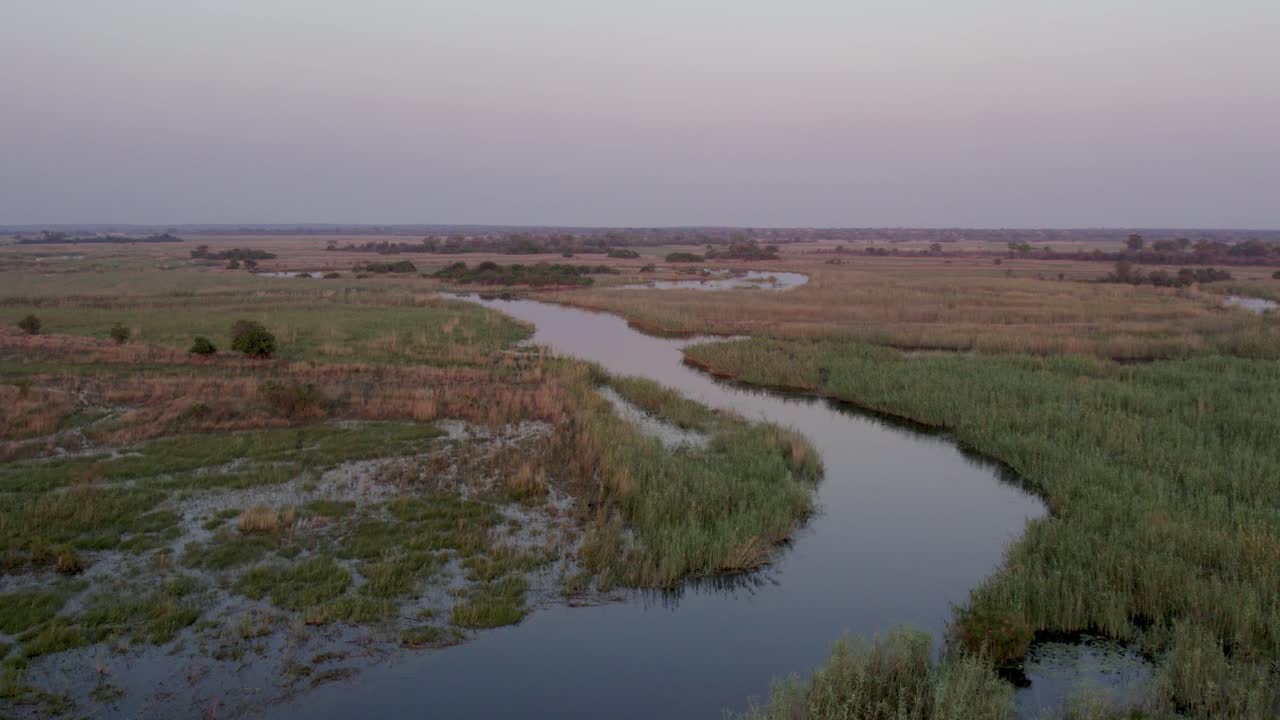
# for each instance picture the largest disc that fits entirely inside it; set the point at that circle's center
(1162, 480)
(657, 516)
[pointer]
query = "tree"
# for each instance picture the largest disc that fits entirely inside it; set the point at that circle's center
(120, 333)
(202, 346)
(1135, 242)
(1124, 271)
(30, 325)
(252, 339)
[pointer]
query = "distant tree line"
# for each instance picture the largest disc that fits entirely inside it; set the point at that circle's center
(1127, 272)
(539, 274)
(1171, 251)
(59, 238)
(612, 243)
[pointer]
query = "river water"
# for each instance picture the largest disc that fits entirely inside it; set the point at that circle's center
(907, 525)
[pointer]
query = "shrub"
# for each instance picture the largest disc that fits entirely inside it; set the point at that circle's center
(252, 339)
(202, 346)
(1275, 275)
(30, 325)
(120, 333)
(291, 399)
(623, 253)
(684, 257)
(403, 266)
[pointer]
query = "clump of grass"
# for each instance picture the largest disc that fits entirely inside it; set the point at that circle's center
(226, 550)
(893, 678)
(427, 636)
(329, 508)
(492, 604)
(22, 610)
(261, 519)
(399, 576)
(303, 585)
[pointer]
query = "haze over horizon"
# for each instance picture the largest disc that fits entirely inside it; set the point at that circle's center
(570, 112)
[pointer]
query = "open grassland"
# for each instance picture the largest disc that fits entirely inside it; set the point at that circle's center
(1020, 306)
(1162, 479)
(400, 473)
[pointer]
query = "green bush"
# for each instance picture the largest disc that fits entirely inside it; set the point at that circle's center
(291, 399)
(684, 257)
(252, 339)
(30, 325)
(202, 346)
(120, 333)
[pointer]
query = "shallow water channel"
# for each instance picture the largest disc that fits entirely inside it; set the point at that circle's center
(907, 525)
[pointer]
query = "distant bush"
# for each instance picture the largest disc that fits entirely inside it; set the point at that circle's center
(403, 266)
(623, 253)
(120, 333)
(1275, 275)
(30, 325)
(684, 257)
(648, 268)
(202, 346)
(332, 276)
(291, 399)
(252, 339)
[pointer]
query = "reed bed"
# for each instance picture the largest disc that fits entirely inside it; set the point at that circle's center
(657, 517)
(1162, 480)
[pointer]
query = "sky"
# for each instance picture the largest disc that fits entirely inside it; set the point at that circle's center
(982, 113)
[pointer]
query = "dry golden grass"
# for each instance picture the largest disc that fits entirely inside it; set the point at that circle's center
(958, 304)
(181, 392)
(262, 519)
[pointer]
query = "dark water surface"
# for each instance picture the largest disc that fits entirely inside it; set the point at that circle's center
(907, 526)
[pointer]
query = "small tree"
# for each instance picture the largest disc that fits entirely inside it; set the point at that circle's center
(1135, 242)
(1124, 271)
(202, 346)
(252, 339)
(120, 333)
(30, 325)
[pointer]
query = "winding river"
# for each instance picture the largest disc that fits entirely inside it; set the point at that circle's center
(908, 524)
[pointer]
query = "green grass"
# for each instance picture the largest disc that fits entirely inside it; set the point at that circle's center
(310, 321)
(429, 636)
(1163, 481)
(693, 512)
(492, 604)
(892, 679)
(153, 618)
(299, 586)
(310, 446)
